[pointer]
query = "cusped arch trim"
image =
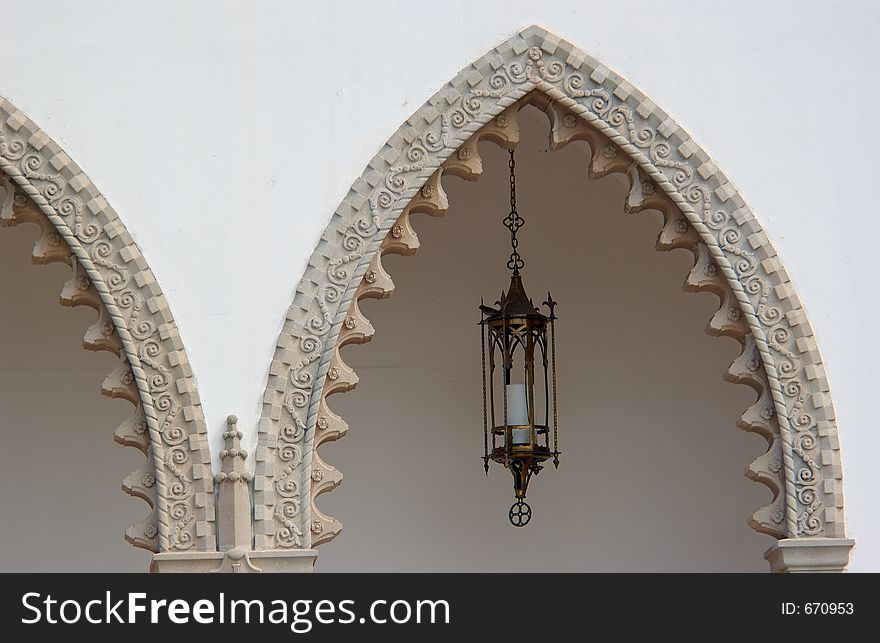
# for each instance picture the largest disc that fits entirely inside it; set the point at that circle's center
(42, 184)
(306, 367)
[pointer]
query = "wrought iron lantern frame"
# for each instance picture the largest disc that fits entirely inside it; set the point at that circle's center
(516, 324)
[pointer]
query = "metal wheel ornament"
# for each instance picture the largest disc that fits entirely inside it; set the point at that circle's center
(520, 514)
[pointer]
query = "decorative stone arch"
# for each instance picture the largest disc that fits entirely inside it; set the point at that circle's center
(39, 183)
(668, 171)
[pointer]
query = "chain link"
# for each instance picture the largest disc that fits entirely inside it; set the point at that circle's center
(513, 221)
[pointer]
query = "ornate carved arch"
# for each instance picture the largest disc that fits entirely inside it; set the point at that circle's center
(668, 171)
(39, 183)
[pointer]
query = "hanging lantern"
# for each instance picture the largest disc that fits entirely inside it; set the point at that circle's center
(519, 379)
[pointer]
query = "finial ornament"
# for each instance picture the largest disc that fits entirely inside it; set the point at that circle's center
(234, 519)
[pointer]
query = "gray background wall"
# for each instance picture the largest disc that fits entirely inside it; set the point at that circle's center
(61, 507)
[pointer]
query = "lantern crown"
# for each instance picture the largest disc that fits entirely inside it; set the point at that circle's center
(513, 303)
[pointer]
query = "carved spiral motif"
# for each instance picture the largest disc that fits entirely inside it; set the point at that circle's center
(458, 118)
(178, 489)
(806, 442)
(289, 509)
(68, 207)
(180, 537)
(12, 152)
(805, 474)
(810, 525)
(574, 85)
(101, 252)
(141, 330)
(288, 536)
(297, 399)
(290, 453)
(177, 455)
(287, 488)
(717, 220)
(806, 495)
(165, 402)
(292, 434)
(309, 344)
(644, 138)
(173, 435)
(418, 153)
(179, 511)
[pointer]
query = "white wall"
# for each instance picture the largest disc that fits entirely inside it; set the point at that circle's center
(240, 125)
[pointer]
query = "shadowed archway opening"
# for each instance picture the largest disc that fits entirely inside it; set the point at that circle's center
(647, 422)
(60, 470)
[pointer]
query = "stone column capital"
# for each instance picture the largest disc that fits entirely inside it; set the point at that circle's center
(798, 555)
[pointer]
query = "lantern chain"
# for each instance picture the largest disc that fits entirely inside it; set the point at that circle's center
(552, 305)
(513, 221)
(485, 419)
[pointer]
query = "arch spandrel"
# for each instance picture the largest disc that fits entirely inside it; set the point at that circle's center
(655, 152)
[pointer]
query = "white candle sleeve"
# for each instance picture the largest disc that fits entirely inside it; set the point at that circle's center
(518, 412)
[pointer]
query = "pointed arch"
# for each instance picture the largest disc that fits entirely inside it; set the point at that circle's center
(39, 183)
(635, 137)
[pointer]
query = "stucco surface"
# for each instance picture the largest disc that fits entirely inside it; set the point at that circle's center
(196, 131)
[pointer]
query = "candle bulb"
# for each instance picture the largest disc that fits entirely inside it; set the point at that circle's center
(518, 412)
